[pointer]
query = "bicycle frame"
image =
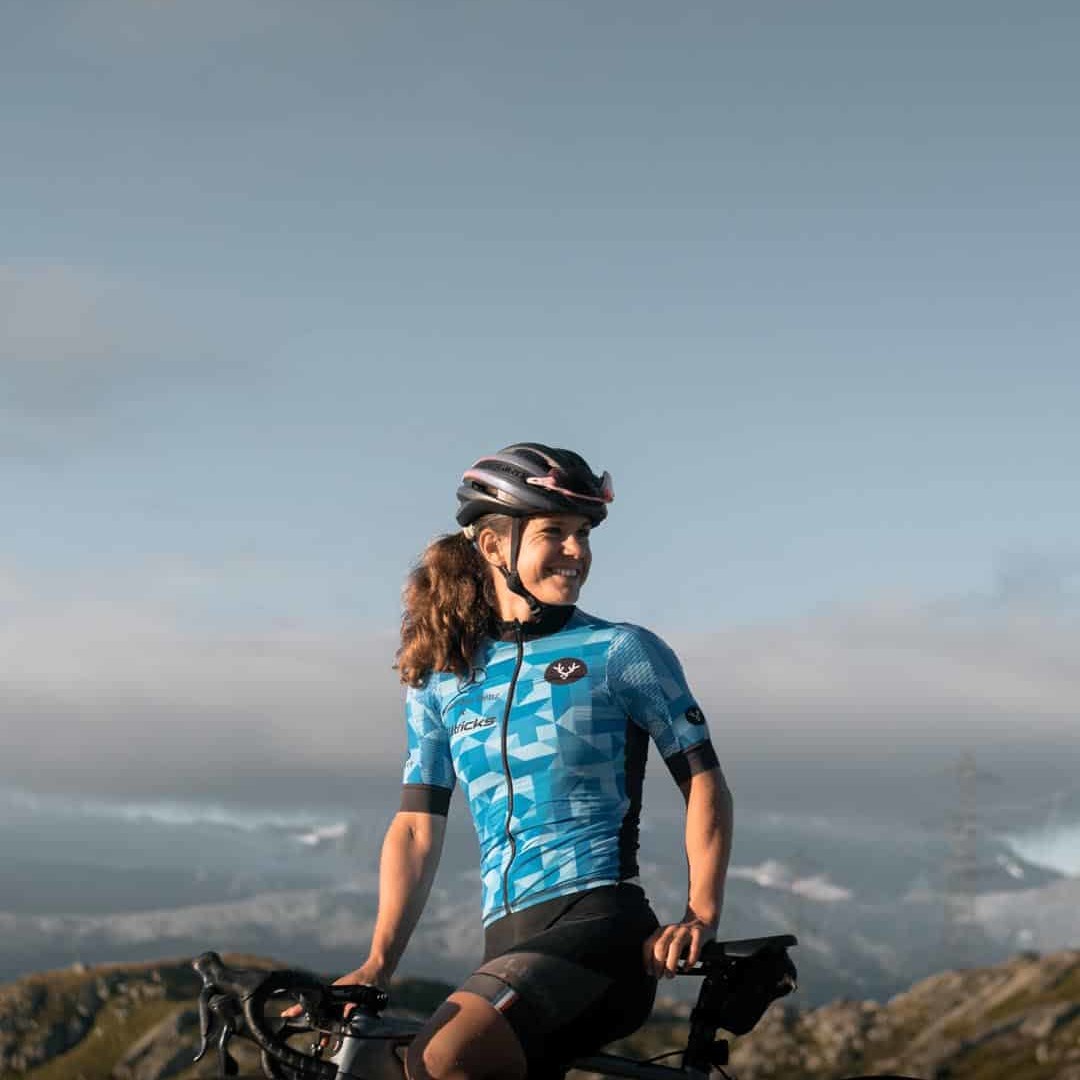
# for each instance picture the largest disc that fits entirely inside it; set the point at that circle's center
(613, 1065)
(356, 1054)
(740, 979)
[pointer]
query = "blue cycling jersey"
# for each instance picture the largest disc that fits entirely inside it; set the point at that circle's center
(549, 736)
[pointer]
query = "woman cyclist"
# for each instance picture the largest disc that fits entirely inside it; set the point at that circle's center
(543, 714)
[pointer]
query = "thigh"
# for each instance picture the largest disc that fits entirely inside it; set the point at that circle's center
(575, 986)
(467, 1038)
(560, 1010)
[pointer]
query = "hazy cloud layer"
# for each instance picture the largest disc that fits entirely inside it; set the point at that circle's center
(134, 695)
(866, 666)
(54, 316)
(75, 342)
(70, 340)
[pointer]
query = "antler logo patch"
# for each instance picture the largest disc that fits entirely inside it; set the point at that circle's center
(566, 670)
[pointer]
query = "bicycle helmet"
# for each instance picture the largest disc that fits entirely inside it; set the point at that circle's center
(526, 479)
(529, 478)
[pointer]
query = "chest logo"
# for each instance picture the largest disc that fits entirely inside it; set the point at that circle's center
(477, 723)
(567, 670)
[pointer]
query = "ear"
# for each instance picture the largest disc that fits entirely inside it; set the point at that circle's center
(488, 544)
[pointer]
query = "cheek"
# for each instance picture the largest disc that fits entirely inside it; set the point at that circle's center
(529, 566)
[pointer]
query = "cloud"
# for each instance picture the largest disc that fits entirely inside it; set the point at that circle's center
(60, 331)
(130, 688)
(74, 343)
(878, 661)
(1039, 581)
(903, 672)
(130, 695)
(1003, 652)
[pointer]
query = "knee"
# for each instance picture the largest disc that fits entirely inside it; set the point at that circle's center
(465, 1040)
(422, 1064)
(436, 1059)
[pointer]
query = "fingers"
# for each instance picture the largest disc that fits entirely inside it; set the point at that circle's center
(697, 940)
(671, 944)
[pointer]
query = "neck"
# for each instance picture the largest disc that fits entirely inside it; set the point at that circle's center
(512, 608)
(509, 605)
(553, 619)
(515, 610)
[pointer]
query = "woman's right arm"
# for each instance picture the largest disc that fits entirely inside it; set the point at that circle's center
(410, 857)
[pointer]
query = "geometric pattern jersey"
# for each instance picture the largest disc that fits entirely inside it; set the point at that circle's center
(548, 737)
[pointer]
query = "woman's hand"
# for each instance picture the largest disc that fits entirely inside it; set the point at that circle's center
(370, 973)
(675, 942)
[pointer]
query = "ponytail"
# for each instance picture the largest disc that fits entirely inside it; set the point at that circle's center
(450, 606)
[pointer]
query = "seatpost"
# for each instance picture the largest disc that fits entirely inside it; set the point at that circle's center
(704, 1051)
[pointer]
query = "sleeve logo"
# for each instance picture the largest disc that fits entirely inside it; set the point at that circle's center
(695, 716)
(566, 670)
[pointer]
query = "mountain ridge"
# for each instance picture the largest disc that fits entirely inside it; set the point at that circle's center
(1019, 1019)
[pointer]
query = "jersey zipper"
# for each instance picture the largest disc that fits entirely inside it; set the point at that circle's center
(511, 842)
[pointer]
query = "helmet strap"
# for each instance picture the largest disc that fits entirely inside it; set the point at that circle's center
(513, 580)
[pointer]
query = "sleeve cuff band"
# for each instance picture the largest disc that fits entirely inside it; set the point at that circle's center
(686, 763)
(425, 799)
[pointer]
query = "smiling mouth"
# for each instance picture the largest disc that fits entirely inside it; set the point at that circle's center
(568, 575)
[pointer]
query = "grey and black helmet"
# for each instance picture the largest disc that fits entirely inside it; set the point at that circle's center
(530, 478)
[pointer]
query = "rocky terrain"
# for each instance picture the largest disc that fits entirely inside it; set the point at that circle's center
(1020, 1020)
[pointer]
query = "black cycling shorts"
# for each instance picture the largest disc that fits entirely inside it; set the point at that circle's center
(568, 974)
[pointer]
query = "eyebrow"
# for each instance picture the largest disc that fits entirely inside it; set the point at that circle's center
(556, 522)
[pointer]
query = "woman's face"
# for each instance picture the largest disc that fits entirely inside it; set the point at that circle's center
(554, 559)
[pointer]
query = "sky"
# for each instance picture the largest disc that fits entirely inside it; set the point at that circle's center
(803, 277)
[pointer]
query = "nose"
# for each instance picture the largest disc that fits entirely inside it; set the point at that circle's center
(575, 547)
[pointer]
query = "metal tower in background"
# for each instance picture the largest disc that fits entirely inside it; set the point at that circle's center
(962, 868)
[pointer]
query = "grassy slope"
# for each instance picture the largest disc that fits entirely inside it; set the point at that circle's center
(1011, 1021)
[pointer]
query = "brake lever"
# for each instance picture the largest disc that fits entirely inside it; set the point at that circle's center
(204, 1028)
(227, 1065)
(209, 1012)
(217, 1023)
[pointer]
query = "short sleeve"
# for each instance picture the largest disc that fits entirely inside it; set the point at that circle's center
(428, 779)
(646, 679)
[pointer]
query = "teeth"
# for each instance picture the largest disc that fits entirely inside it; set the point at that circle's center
(566, 573)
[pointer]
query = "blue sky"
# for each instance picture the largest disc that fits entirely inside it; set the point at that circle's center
(803, 277)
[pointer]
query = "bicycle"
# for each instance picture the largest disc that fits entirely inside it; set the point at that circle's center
(740, 980)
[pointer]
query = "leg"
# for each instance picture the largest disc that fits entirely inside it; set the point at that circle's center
(466, 1039)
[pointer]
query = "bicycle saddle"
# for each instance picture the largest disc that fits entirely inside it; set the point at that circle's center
(746, 947)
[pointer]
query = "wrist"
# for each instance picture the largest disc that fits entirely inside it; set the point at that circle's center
(379, 964)
(707, 916)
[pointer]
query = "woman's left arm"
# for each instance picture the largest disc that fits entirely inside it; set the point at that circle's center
(709, 820)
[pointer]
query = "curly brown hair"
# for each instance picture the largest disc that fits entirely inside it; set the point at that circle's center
(449, 606)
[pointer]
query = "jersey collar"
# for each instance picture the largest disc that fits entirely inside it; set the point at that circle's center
(552, 619)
